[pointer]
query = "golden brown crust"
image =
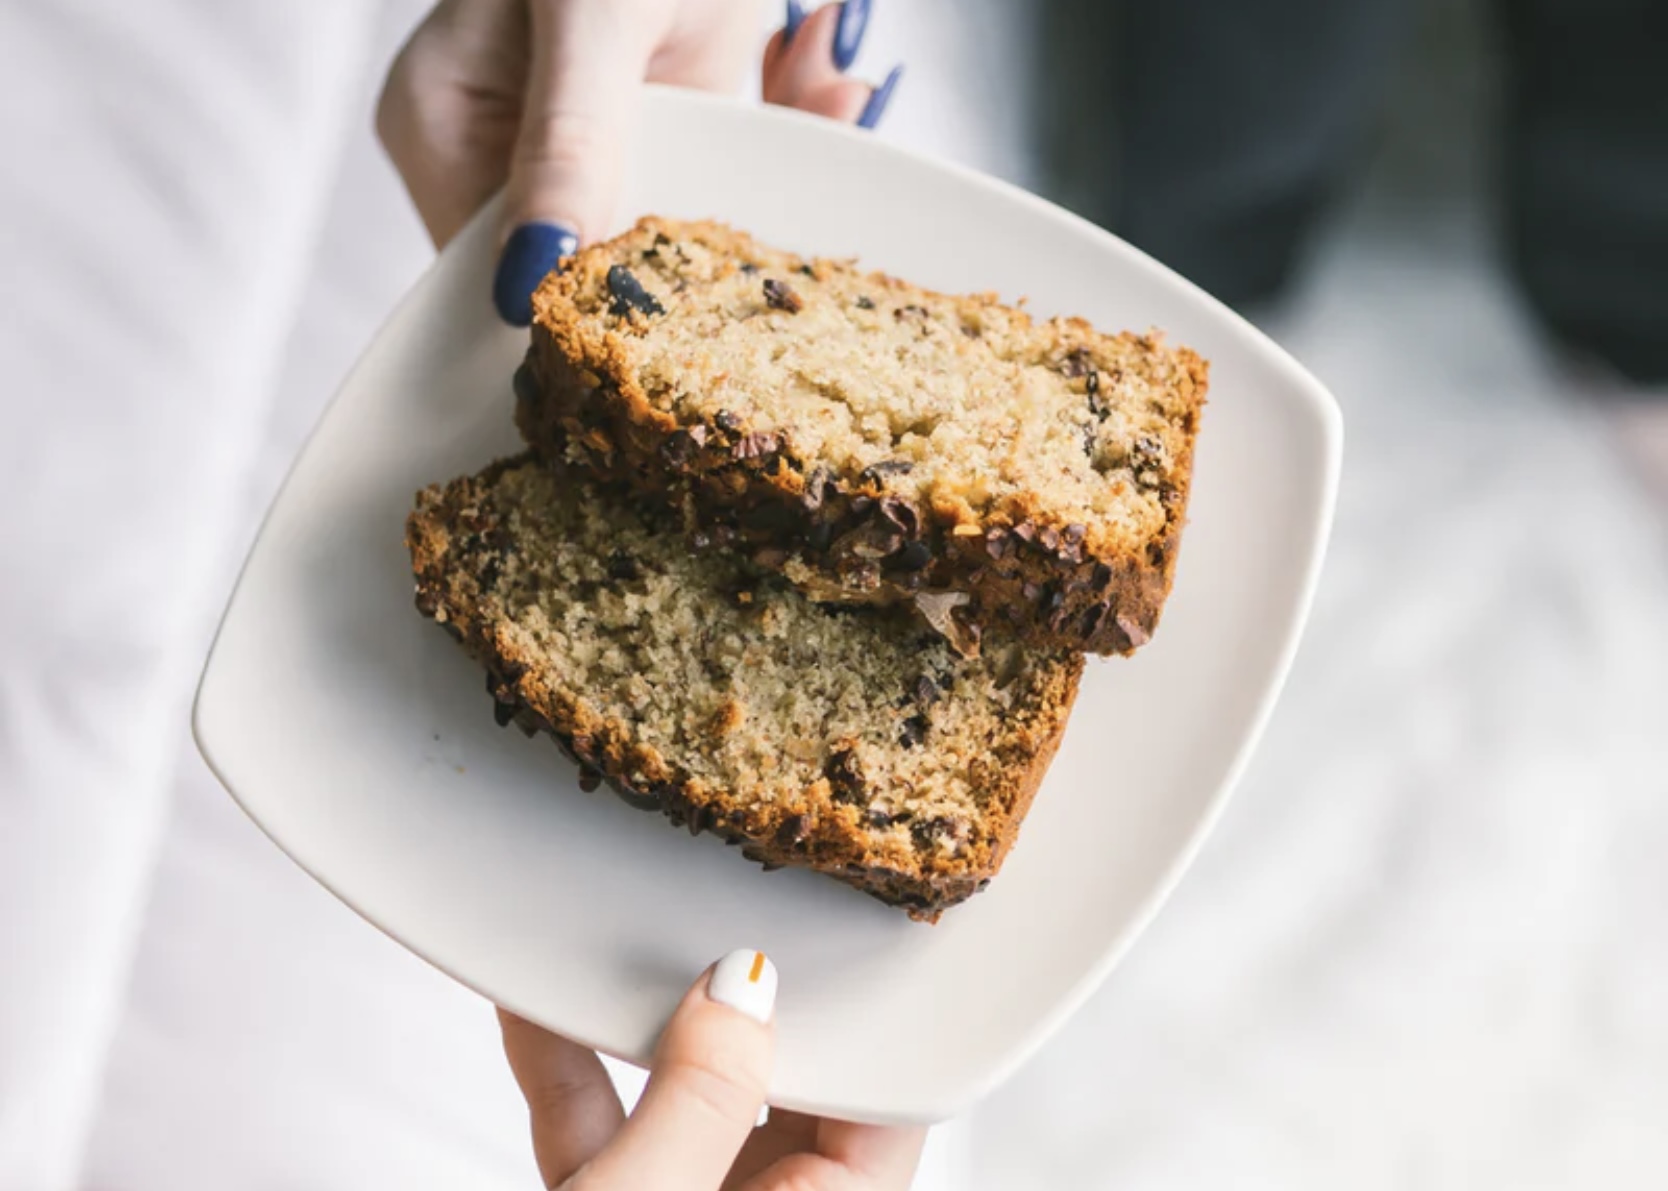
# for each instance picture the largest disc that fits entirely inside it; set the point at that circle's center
(811, 828)
(1023, 566)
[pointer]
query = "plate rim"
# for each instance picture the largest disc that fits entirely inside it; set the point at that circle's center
(1315, 402)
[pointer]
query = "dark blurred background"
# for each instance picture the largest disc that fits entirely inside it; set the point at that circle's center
(1424, 949)
(1215, 135)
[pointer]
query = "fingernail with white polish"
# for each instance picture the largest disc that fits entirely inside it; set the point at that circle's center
(745, 981)
(876, 107)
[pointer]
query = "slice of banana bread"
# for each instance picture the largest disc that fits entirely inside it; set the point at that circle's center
(850, 741)
(871, 440)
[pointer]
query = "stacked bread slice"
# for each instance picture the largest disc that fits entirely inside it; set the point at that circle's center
(810, 557)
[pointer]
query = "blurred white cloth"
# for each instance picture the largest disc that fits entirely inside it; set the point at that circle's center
(198, 236)
(159, 208)
(1424, 950)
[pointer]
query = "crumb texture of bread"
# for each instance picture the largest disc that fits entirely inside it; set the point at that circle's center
(872, 440)
(851, 741)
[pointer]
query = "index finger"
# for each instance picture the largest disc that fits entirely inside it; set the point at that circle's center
(707, 1084)
(571, 1103)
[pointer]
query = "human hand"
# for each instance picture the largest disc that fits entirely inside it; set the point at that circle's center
(538, 96)
(693, 1130)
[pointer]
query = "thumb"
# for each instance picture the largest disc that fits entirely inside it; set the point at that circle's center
(588, 64)
(707, 1085)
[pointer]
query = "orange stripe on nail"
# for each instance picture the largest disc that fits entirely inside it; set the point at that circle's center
(758, 968)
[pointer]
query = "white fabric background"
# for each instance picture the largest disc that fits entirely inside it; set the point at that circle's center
(1425, 949)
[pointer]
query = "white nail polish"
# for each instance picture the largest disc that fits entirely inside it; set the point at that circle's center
(745, 980)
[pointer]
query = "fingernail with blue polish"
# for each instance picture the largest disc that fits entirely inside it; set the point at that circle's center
(876, 107)
(848, 34)
(794, 19)
(530, 253)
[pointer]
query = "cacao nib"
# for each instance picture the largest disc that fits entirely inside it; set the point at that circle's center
(845, 776)
(1093, 618)
(778, 296)
(760, 442)
(875, 472)
(679, 448)
(914, 556)
(871, 540)
(1138, 636)
(628, 293)
(929, 832)
(818, 488)
(793, 830)
(702, 818)
(901, 514)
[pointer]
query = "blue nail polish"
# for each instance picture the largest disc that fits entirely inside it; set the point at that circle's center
(848, 34)
(794, 19)
(876, 107)
(530, 253)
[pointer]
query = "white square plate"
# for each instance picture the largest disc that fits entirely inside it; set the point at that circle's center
(362, 740)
